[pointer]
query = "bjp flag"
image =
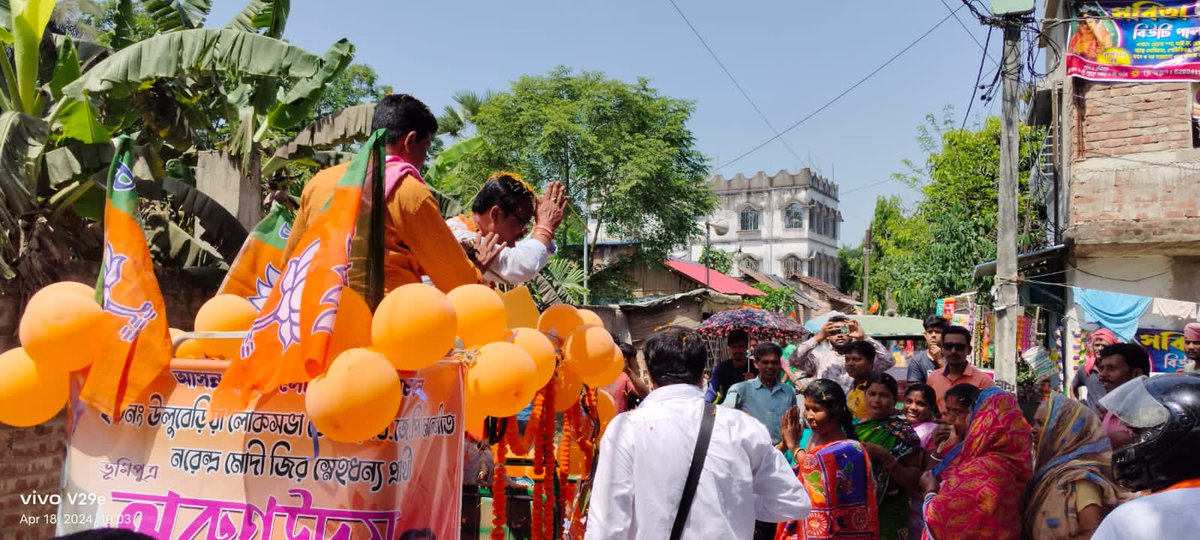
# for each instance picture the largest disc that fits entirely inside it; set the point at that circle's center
(289, 341)
(257, 267)
(136, 343)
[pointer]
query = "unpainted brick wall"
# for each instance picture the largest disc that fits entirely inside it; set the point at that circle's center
(1117, 119)
(32, 461)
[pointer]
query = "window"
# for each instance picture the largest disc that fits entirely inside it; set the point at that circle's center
(748, 262)
(793, 216)
(749, 220)
(792, 265)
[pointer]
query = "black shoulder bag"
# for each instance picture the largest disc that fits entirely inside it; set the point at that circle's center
(693, 478)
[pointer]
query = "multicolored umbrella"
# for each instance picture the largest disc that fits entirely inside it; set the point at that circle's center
(759, 323)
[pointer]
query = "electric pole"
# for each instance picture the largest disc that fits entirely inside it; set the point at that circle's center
(867, 266)
(1011, 15)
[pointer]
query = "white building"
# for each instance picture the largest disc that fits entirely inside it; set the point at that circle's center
(782, 225)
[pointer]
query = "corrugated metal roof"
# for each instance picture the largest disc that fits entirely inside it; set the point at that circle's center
(717, 281)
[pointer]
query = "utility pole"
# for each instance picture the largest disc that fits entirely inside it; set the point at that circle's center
(1007, 304)
(867, 265)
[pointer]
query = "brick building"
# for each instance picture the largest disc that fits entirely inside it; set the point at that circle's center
(1119, 174)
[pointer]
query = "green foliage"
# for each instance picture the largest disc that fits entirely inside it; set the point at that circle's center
(717, 259)
(357, 85)
(850, 261)
(119, 23)
(173, 15)
(622, 150)
(778, 299)
(929, 251)
(560, 282)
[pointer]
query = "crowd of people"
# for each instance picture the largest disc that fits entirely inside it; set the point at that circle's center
(827, 446)
(819, 442)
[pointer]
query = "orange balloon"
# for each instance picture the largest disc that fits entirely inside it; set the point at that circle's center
(558, 321)
(498, 382)
(606, 408)
(590, 317)
(589, 351)
(482, 317)
(414, 326)
(189, 349)
(473, 421)
(566, 391)
(522, 311)
(352, 326)
(30, 394)
(356, 399)
(224, 313)
(610, 374)
(541, 350)
(61, 326)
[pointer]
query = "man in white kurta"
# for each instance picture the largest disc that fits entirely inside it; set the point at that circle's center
(504, 206)
(645, 455)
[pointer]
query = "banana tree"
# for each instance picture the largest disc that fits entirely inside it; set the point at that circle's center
(76, 99)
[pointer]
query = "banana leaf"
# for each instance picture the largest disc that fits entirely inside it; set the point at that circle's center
(173, 15)
(196, 53)
(267, 15)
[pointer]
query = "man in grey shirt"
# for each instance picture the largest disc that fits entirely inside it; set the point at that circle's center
(931, 358)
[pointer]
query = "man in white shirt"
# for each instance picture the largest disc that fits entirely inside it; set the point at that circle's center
(1162, 411)
(645, 456)
(504, 206)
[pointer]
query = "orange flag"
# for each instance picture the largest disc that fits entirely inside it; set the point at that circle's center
(136, 344)
(257, 267)
(289, 340)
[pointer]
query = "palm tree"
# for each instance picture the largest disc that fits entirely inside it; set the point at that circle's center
(457, 119)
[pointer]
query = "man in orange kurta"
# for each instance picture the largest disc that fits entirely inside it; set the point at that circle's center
(417, 241)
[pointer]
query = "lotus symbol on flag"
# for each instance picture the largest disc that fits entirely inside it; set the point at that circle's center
(286, 313)
(138, 317)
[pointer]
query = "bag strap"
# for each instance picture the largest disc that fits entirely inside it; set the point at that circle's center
(693, 478)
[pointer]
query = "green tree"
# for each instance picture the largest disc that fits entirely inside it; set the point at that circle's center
(459, 117)
(778, 299)
(623, 151)
(62, 100)
(929, 251)
(357, 85)
(850, 260)
(717, 259)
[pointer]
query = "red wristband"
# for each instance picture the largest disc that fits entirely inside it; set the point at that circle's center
(549, 233)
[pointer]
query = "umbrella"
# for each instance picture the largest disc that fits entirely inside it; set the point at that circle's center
(875, 325)
(760, 323)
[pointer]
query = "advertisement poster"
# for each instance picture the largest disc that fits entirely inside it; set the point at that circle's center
(169, 470)
(1135, 41)
(1165, 347)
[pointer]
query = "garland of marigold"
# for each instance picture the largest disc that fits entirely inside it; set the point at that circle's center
(543, 446)
(522, 444)
(548, 494)
(570, 419)
(585, 432)
(499, 492)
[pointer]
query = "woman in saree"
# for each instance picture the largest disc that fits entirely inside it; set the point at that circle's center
(833, 468)
(1072, 488)
(895, 452)
(921, 412)
(975, 492)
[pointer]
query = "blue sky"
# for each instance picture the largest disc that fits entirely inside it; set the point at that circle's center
(790, 56)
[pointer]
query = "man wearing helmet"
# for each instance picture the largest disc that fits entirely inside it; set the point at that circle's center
(1164, 414)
